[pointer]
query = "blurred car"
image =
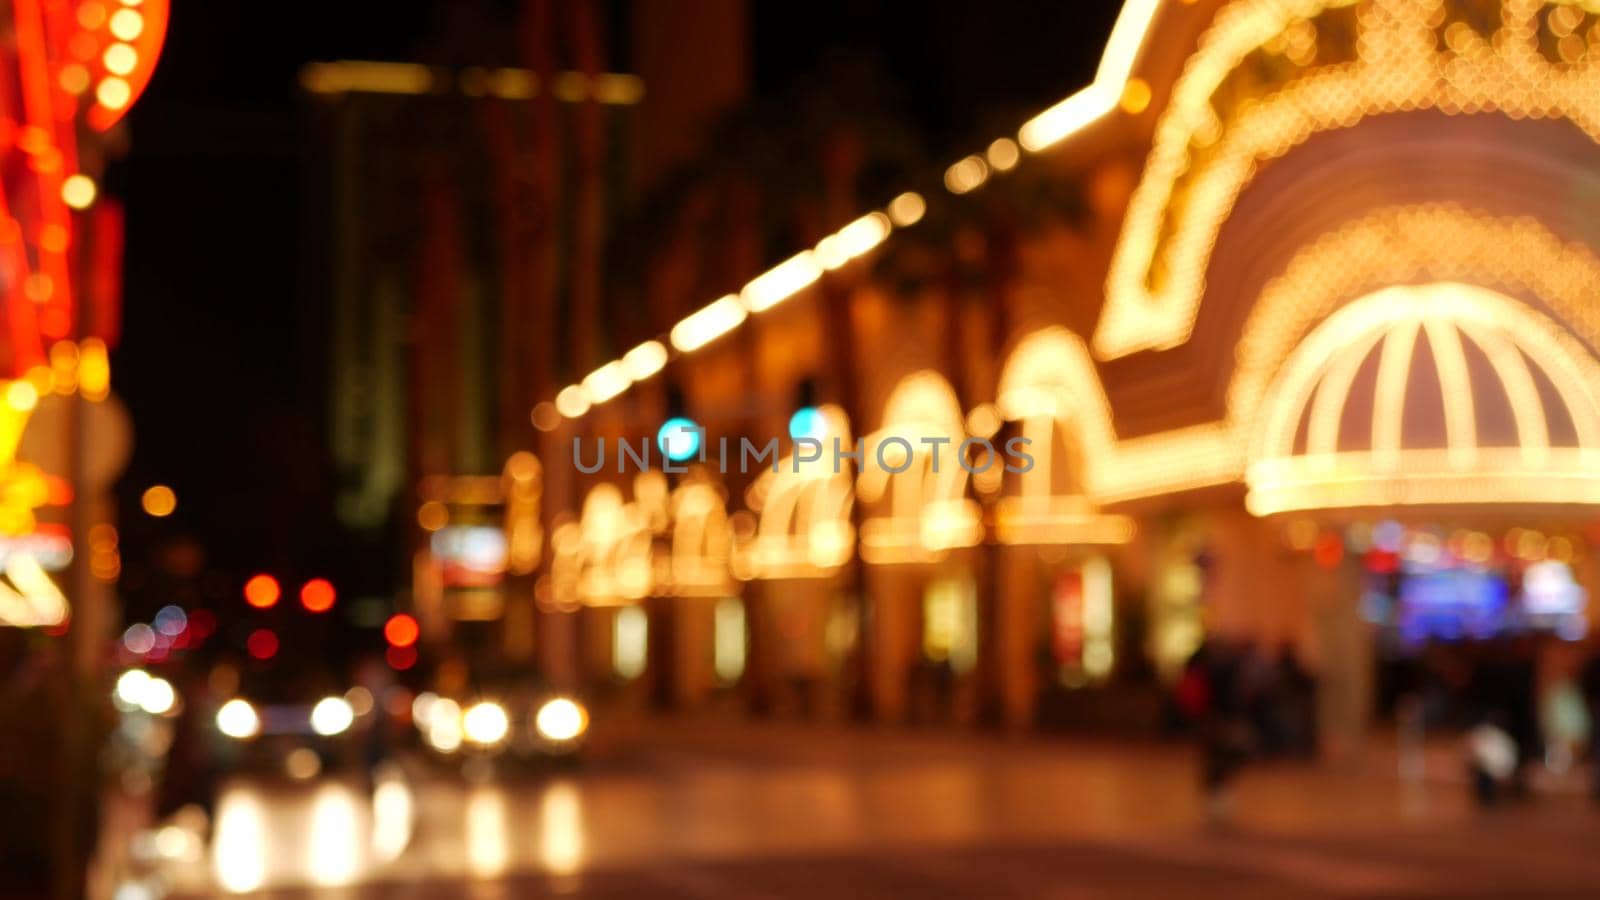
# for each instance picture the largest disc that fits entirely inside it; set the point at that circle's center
(295, 739)
(524, 726)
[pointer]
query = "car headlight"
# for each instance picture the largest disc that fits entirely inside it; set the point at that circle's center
(561, 719)
(237, 719)
(158, 697)
(331, 716)
(443, 725)
(130, 688)
(485, 723)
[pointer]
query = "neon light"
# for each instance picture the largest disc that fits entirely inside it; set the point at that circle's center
(1386, 473)
(1203, 156)
(708, 324)
(679, 438)
(920, 513)
(1090, 104)
(781, 282)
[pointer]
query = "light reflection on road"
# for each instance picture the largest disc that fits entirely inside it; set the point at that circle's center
(561, 829)
(487, 851)
(333, 833)
(334, 851)
(239, 850)
(330, 834)
(392, 813)
(729, 795)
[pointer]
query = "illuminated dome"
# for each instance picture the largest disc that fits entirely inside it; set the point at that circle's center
(1438, 394)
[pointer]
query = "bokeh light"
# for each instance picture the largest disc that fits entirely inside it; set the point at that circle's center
(139, 638)
(561, 719)
(262, 644)
(485, 723)
(78, 191)
(401, 630)
(237, 719)
(331, 715)
(679, 438)
(317, 595)
(157, 697)
(171, 621)
(262, 591)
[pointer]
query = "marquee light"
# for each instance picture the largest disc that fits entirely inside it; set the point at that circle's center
(1385, 472)
(1003, 155)
(1205, 153)
(967, 175)
(1394, 245)
(907, 209)
(1443, 242)
(709, 323)
(1090, 104)
(645, 360)
(803, 528)
(606, 557)
(853, 241)
(781, 282)
(923, 511)
(132, 37)
(701, 543)
(606, 382)
(573, 401)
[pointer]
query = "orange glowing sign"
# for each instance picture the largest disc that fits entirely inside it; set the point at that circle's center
(66, 65)
(118, 54)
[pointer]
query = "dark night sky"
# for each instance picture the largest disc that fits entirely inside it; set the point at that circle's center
(215, 365)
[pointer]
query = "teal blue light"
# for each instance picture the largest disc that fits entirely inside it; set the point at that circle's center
(808, 422)
(679, 438)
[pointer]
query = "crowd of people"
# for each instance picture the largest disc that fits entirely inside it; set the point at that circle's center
(1245, 702)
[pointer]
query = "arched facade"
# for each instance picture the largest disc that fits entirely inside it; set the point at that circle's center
(916, 492)
(803, 507)
(1049, 387)
(1348, 284)
(1442, 393)
(1269, 75)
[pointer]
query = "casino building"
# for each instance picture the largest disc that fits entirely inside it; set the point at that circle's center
(1313, 363)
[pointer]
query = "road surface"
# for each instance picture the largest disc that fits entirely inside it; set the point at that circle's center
(704, 811)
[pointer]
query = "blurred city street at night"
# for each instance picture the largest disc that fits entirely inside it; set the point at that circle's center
(720, 448)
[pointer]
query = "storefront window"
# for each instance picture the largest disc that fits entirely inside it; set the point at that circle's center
(730, 640)
(630, 636)
(1081, 621)
(950, 623)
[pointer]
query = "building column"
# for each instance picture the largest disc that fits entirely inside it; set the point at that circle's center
(892, 640)
(1017, 632)
(693, 633)
(1346, 660)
